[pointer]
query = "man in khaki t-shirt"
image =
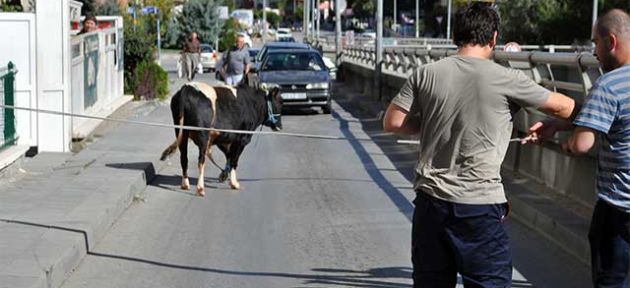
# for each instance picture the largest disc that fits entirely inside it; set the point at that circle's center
(462, 107)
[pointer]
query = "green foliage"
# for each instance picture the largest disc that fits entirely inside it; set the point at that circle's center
(198, 16)
(11, 6)
(363, 8)
(151, 81)
(138, 49)
(299, 13)
(166, 6)
(550, 21)
(108, 8)
(228, 34)
(273, 19)
(88, 7)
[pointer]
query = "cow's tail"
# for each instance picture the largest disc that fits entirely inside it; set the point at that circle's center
(209, 154)
(179, 119)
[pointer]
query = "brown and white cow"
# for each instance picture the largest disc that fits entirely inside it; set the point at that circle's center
(200, 105)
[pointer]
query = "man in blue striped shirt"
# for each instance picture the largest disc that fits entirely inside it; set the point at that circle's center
(606, 111)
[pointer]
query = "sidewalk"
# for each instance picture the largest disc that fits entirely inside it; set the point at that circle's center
(59, 204)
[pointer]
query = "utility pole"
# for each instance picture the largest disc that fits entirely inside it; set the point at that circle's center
(306, 17)
(317, 21)
(417, 19)
(338, 47)
(395, 28)
(448, 20)
(265, 32)
(379, 46)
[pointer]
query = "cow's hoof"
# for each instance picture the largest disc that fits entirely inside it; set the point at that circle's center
(201, 192)
(235, 186)
(223, 176)
(185, 184)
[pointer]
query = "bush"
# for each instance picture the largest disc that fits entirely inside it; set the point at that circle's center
(138, 49)
(228, 34)
(151, 81)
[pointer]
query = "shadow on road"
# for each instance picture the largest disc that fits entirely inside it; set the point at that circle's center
(322, 276)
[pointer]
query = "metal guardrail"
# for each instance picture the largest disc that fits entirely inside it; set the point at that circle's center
(579, 70)
(7, 97)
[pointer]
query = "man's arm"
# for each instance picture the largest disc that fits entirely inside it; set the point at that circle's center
(247, 67)
(581, 141)
(394, 121)
(559, 106)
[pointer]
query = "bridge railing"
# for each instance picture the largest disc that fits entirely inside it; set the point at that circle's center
(572, 74)
(7, 97)
(569, 72)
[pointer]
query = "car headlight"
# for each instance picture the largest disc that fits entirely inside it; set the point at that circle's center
(323, 85)
(268, 86)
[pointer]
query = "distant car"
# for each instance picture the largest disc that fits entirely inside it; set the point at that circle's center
(301, 75)
(283, 33)
(248, 40)
(270, 46)
(209, 57)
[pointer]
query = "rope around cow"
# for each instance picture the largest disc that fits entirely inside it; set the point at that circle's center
(171, 126)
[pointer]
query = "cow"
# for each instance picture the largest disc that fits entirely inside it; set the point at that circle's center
(220, 107)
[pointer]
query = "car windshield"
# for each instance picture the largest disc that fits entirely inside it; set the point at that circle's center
(293, 61)
(206, 49)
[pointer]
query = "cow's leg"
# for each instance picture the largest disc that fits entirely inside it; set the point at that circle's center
(202, 142)
(235, 154)
(183, 159)
(225, 148)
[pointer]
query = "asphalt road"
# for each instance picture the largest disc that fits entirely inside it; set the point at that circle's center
(310, 213)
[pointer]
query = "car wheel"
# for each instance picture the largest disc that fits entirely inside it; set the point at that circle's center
(326, 109)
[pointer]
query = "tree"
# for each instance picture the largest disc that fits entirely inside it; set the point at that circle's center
(363, 8)
(198, 16)
(108, 8)
(551, 21)
(273, 19)
(88, 7)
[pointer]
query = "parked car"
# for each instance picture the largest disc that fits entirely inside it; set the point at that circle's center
(252, 54)
(286, 39)
(270, 46)
(301, 75)
(209, 57)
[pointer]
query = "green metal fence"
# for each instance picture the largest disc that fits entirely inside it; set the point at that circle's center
(7, 97)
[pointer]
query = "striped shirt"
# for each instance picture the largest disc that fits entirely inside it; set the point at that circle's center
(607, 110)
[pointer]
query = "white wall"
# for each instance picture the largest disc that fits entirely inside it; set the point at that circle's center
(39, 44)
(17, 31)
(53, 75)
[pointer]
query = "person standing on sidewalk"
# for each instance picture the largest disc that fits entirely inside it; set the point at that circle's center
(606, 114)
(461, 108)
(235, 63)
(191, 54)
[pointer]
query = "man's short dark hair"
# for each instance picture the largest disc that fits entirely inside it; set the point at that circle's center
(615, 21)
(475, 24)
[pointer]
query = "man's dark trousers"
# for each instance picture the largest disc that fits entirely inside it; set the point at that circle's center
(450, 238)
(610, 246)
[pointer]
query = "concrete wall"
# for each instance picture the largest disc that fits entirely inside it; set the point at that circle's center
(567, 175)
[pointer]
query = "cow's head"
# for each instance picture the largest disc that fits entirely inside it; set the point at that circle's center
(274, 109)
